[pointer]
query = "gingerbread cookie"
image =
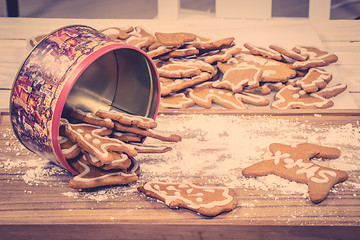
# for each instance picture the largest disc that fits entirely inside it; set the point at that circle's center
(294, 97)
(169, 85)
(254, 99)
(145, 148)
(263, 90)
(314, 80)
(140, 38)
(236, 78)
(293, 163)
(265, 52)
(127, 137)
(91, 118)
(175, 39)
(332, 90)
(206, 45)
(222, 55)
(117, 32)
(208, 201)
(289, 53)
(204, 95)
(317, 58)
(94, 140)
(120, 161)
(163, 136)
(68, 148)
(91, 176)
(180, 52)
(127, 119)
(176, 101)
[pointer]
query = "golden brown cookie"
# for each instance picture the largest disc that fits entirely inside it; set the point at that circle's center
(95, 140)
(176, 101)
(265, 52)
(208, 201)
(91, 176)
(314, 80)
(294, 97)
(204, 95)
(293, 163)
(242, 75)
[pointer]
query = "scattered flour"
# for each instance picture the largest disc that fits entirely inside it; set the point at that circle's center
(214, 148)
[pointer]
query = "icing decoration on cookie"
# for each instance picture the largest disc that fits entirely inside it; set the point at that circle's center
(314, 80)
(68, 148)
(317, 58)
(176, 101)
(294, 97)
(140, 38)
(180, 52)
(127, 137)
(128, 119)
(91, 139)
(254, 99)
(210, 45)
(91, 118)
(204, 95)
(169, 86)
(91, 176)
(120, 161)
(178, 70)
(263, 90)
(208, 201)
(265, 52)
(332, 90)
(163, 136)
(236, 78)
(293, 163)
(289, 53)
(175, 39)
(220, 56)
(146, 148)
(118, 33)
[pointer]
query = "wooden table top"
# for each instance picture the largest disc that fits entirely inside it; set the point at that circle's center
(36, 201)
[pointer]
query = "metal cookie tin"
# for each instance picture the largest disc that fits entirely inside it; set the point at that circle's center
(78, 67)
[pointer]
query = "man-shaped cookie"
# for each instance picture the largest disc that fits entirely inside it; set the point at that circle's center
(208, 201)
(293, 163)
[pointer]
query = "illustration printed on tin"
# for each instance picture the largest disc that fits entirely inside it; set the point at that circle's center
(41, 79)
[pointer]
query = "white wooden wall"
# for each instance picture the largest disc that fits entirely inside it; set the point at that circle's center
(247, 9)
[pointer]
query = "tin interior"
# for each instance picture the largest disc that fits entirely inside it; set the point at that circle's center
(123, 79)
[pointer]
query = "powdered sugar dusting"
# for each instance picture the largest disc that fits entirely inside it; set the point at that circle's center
(219, 147)
(215, 148)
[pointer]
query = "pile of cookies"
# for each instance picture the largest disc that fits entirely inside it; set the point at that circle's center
(101, 147)
(198, 71)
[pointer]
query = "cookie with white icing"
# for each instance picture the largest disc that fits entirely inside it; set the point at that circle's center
(69, 149)
(94, 140)
(314, 80)
(265, 52)
(153, 133)
(206, 200)
(205, 94)
(236, 78)
(176, 101)
(332, 90)
(293, 163)
(91, 118)
(91, 176)
(291, 97)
